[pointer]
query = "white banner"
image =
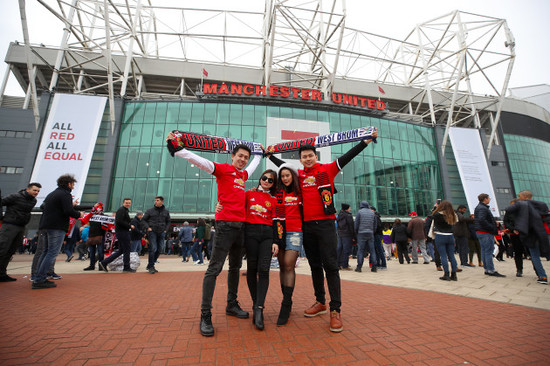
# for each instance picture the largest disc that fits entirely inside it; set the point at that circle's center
(472, 167)
(68, 141)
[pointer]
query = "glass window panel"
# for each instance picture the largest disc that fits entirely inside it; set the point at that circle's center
(172, 112)
(146, 135)
(139, 201)
(323, 116)
(121, 161)
(286, 112)
(154, 162)
(260, 115)
(235, 131)
(164, 190)
(197, 114)
(185, 112)
(345, 122)
(273, 112)
(190, 194)
(176, 195)
(204, 195)
(150, 109)
(210, 113)
(311, 115)
(299, 113)
(236, 114)
(116, 190)
(128, 113)
(160, 112)
(143, 162)
(152, 190)
(248, 115)
(260, 134)
(159, 136)
(139, 112)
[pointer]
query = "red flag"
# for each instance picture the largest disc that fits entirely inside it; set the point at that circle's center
(204, 72)
(381, 90)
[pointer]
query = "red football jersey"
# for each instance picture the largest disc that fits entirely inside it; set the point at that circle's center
(313, 206)
(231, 193)
(259, 208)
(293, 216)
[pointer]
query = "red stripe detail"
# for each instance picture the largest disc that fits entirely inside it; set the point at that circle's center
(296, 135)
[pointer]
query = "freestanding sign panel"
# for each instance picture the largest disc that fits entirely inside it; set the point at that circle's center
(68, 141)
(472, 166)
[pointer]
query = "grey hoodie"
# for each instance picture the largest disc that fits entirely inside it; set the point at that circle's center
(365, 220)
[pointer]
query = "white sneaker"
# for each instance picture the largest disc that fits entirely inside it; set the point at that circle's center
(196, 262)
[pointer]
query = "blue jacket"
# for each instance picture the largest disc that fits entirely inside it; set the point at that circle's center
(365, 220)
(186, 234)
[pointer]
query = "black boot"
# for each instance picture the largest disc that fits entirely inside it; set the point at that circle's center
(445, 277)
(258, 317)
(207, 329)
(453, 276)
(286, 305)
(234, 309)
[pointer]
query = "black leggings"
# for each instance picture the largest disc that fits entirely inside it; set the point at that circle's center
(403, 251)
(258, 240)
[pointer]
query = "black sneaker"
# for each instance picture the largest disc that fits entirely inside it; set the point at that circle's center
(129, 270)
(152, 270)
(357, 269)
(207, 329)
(234, 309)
(89, 268)
(102, 267)
(543, 280)
(519, 274)
(54, 276)
(44, 284)
(6, 278)
(496, 274)
(373, 269)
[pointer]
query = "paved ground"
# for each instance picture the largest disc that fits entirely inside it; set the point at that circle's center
(99, 318)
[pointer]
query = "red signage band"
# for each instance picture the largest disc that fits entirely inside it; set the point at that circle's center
(273, 91)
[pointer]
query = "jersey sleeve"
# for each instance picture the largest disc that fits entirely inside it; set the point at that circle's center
(199, 161)
(253, 165)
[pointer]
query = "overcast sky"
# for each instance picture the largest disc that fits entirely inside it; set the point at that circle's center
(527, 19)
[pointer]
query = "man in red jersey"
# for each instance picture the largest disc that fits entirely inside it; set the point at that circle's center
(320, 242)
(229, 236)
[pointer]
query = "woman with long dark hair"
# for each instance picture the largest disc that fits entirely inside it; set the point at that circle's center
(400, 238)
(445, 218)
(289, 208)
(259, 241)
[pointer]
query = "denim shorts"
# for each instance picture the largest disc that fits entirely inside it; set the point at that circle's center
(294, 240)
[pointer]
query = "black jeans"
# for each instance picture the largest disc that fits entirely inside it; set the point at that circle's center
(320, 245)
(123, 238)
(258, 240)
(229, 240)
(463, 249)
(403, 251)
(11, 237)
(519, 251)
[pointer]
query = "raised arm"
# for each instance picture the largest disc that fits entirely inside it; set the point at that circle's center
(343, 160)
(199, 161)
(253, 164)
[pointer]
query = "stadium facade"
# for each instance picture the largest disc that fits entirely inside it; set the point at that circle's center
(296, 74)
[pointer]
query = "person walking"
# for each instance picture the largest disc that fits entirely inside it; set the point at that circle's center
(198, 241)
(228, 239)
(415, 230)
(157, 223)
(122, 232)
(445, 218)
(58, 209)
(18, 214)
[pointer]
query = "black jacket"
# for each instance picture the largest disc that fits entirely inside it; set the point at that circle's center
(96, 229)
(157, 218)
(484, 220)
(19, 206)
(528, 221)
(137, 232)
(345, 225)
(461, 227)
(122, 219)
(399, 233)
(58, 208)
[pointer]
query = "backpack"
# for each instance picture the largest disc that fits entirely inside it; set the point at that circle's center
(342, 222)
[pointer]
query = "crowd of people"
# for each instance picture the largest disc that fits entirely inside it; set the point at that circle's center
(289, 211)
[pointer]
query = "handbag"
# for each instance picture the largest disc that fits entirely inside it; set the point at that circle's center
(431, 233)
(94, 240)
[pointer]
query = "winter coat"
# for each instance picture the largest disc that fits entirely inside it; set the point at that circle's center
(57, 209)
(461, 227)
(137, 232)
(528, 221)
(122, 219)
(186, 234)
(484, 220)
(157, 218)
(345, 224)
(399, 233)
(19, 206)
(415, 229)
(365, 220)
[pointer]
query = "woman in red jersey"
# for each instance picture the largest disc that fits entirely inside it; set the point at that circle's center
(259, 241)
(289, 207)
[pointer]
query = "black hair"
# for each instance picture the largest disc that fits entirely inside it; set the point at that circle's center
(241, 146)
(126, 199)
(482, 197)
(306, 148)
(35, 184)
(201, 222)
(65, 180)
(273, 188)
(160, 198)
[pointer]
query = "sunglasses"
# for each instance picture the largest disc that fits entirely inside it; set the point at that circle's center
(265, 177)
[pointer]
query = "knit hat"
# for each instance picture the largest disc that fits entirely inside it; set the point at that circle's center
(139, 213)
(289, 167)
(345, 206)
(413, 214)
